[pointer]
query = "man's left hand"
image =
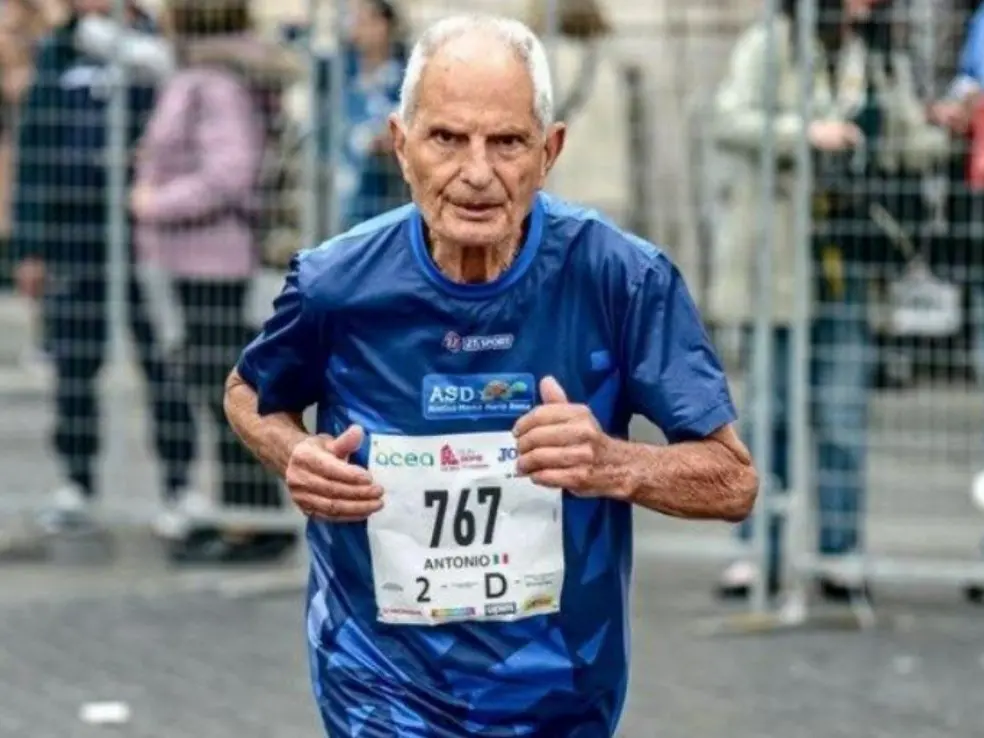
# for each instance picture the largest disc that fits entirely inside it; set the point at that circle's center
(560, 443)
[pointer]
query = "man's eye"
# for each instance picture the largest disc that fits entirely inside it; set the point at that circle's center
(509, 143)
(444, 137)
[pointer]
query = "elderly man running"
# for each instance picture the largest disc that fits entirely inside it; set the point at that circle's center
(475, 358)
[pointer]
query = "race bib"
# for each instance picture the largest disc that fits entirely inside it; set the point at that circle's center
(461, 538)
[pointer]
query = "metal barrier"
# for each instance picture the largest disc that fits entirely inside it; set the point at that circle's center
(151, 285)
(906, 450)
(866, 406)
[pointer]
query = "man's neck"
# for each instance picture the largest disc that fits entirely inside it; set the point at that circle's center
(474, 265)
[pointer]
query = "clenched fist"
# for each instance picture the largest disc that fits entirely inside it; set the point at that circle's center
(323, 484)
(560, 443)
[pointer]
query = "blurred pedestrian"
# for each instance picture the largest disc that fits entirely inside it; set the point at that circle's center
(23, 24)
(60, 242)
(195, 199)
(871, 140)
(366, 181)
(961, 111)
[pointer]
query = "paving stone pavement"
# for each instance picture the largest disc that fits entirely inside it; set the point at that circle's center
(192, 662)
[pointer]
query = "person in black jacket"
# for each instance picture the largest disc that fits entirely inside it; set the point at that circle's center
(60, 247)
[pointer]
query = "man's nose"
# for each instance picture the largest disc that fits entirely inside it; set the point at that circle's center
(477, 169)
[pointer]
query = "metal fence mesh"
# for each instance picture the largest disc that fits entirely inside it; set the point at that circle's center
(870, 346)
(880, 287)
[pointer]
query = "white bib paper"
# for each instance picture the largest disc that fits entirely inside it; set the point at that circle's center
(460, 537)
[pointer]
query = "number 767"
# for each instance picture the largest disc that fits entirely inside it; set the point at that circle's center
(463, 525)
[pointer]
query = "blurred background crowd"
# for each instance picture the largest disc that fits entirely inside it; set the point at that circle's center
(172, 155)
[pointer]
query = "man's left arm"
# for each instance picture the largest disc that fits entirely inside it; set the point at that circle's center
(709, 479)
(562, 446)
(674, 379)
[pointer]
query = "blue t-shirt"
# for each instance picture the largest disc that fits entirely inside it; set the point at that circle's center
(361, 328)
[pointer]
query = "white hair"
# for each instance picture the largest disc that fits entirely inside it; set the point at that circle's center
(512, 33)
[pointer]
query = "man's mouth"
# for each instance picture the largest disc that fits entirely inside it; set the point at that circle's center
(476, 210)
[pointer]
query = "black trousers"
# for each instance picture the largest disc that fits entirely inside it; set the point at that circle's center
(215, 334)
(75, 323)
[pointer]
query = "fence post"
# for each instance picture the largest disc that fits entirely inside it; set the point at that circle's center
(800, 525)
(551, 35)
(311, 182)
(118, 232)
(640, 152)
(761, 375)
(117, 275)
(336, 119)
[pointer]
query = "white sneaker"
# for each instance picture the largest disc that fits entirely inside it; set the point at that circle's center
(70, 507)
(739, 574)
(179, 516)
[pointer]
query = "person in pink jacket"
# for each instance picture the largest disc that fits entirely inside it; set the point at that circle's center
(194, 200)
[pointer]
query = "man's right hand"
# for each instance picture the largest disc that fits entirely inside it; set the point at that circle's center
(29, 277)
(323, 484)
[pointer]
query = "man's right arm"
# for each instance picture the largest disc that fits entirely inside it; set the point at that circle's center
(280, 373)
(322, 482)
(272, 438)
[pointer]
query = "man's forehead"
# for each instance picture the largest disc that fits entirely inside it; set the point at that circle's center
(473, 47)
(484, 75)
(475, 58)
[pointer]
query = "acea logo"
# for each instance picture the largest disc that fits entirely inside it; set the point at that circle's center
(474, 344)
(387, 458)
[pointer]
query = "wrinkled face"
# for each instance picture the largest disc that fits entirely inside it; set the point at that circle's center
(473, 153)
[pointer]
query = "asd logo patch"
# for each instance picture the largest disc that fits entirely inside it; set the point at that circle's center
(477, 395)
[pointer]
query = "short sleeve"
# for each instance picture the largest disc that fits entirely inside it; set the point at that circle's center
(674, 376)
(285, 362)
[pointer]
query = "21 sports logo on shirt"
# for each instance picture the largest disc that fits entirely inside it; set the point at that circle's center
(454, 342)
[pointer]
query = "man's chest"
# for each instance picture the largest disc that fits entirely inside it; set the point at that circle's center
(467, 374)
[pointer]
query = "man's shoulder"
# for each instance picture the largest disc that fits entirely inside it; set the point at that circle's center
(351, 258)
(601, 246)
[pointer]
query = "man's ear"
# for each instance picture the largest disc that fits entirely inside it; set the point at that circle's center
(398, 131)
(554, 144)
